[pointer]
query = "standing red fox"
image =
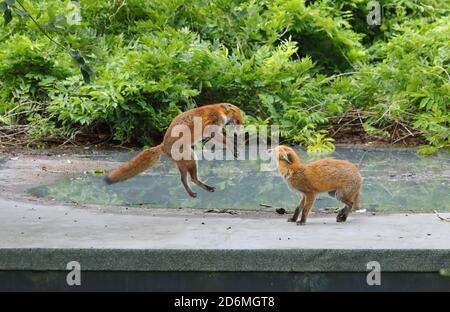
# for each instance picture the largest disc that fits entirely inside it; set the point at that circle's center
(340, 178)
(209, 115)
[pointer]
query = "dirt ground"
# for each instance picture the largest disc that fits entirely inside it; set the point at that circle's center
(349, 129)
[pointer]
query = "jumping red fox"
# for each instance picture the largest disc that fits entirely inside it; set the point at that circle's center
(340, 178)
(221, 114)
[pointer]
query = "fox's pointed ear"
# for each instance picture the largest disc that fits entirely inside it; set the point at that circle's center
(287, 157)
(227, 107)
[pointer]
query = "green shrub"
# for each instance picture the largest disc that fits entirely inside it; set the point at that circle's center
(408, 82)
(288, 62)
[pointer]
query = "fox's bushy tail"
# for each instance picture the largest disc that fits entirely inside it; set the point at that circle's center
(141, 162)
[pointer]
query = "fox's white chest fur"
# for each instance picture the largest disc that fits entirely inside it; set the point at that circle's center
(226, 120)
(283, 172)
(287, 180)
(287, 177)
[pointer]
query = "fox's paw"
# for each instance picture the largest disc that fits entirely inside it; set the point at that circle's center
(300, 222)
(341, 217)
(211, 189)
(290, 220)
(193, 194)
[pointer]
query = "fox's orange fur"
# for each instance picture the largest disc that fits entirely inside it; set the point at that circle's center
(214, 114)
(340, 178)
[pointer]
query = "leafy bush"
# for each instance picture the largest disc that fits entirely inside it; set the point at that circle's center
(293, 63)
(394, 14)
(408, 82)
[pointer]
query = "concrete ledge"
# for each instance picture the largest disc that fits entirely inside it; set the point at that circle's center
(35, 236)
(262, 260)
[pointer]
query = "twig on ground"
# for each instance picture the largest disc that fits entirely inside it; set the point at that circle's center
(402, 138)
(441, 217)
(232, 212)
(345, 124)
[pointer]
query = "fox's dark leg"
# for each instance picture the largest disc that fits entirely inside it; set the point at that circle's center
(297, 211)
(192, 169)
(183, 177)
(309, 201)
(344, 212)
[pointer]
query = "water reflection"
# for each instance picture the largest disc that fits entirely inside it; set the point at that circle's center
(394, 180)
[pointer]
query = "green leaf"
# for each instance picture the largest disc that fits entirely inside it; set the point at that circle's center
(5, 120)
(77, 57)
(86, 72)
(426, 150)
(19, 12)
(7, 16)
(60, 17)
